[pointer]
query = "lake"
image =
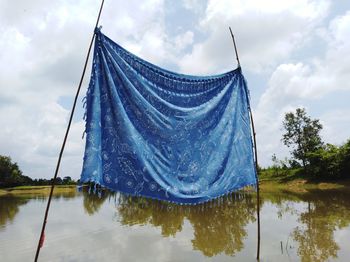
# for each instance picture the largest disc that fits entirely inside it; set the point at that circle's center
(303, 226)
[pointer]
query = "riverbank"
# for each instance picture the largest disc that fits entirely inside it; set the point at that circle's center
(267, 184)
(37, 189)
(292, 180)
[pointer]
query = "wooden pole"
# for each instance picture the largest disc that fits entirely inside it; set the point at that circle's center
(42, 234)
(234, 44)
(255, 156)
(257, 184)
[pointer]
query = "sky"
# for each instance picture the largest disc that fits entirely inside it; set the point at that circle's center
(293, 54)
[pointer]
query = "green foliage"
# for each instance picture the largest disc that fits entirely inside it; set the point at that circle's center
(67, 180)
(319, 160)
(302, 135)
(344, 155)
(280, 170)
(325, 162)
(10, 174)
(331, 161)
(280, 175)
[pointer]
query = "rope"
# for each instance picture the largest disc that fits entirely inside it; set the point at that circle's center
(42, 234)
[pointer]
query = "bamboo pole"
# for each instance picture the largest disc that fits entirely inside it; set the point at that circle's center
(42, 234)
(255, 156)
(234, 44)
(257, 184)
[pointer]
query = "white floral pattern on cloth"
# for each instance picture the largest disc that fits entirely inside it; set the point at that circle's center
(154, 133)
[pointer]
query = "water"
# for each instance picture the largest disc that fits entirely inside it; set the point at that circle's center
(311, 226)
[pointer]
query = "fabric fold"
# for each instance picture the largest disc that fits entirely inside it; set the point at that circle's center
(155, 133)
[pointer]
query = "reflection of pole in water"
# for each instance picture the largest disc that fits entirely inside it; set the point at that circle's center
(281, 248)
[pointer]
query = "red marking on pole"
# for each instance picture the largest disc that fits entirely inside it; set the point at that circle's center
(42, 239)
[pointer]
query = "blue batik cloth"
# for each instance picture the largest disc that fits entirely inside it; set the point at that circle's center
(158, 134)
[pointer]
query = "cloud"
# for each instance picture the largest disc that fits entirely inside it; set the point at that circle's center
(300, 84)
(44, 47)
(196, 6)
(336, 126)
(266, 33)
(184, 40)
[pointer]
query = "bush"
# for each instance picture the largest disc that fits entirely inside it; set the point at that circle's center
(330, 161)
(10, 174)
(344, 152)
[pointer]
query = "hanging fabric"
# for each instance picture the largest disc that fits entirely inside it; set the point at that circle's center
(158, 134)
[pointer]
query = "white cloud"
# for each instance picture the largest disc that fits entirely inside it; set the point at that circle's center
(336, 126)
(266, 32)
(184, 40)
(302, 8)
(44, 45)
(296, 85)
(194, 5)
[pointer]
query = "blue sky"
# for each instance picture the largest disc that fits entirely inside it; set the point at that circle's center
(293, 54)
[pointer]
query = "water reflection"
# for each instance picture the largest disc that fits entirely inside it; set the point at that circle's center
(219, 227)
(10, 204)
(9, 207)
(325, 212)
(310, 221)
(93, 201)
(223, 228)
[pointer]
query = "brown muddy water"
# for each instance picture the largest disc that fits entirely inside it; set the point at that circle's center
(312, 226)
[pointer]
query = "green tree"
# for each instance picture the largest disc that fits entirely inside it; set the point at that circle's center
(302, 135)
(344, 152)
(67, 180)
(10, 174)
(326, 161)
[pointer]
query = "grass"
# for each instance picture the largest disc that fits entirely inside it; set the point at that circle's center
(37, 189)
(280, 175)
(294, 180)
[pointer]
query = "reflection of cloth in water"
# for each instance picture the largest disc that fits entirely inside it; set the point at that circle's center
(219, 226)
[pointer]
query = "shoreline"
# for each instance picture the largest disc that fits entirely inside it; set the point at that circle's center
(266, 185)
(303, 185)
(36, 189)
(294, 180)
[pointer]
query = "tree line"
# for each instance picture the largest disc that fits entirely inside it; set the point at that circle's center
(309, 153)
(11, 176)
